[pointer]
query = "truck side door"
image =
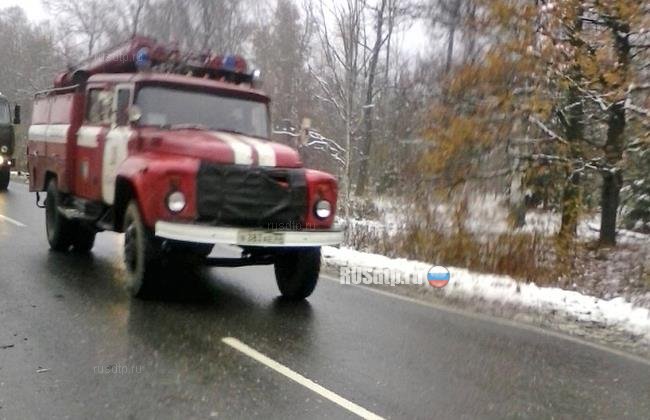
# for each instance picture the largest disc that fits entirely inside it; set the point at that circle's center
(90, 142)
(117, 140)
(37, 137)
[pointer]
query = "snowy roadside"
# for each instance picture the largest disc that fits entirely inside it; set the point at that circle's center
(19, 176)
(616, 314)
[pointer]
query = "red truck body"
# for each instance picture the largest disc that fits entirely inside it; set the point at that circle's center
(108, 139)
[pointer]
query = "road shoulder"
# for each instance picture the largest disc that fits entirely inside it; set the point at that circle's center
(590, 332)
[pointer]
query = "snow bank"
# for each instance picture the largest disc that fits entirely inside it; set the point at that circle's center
(614, 313)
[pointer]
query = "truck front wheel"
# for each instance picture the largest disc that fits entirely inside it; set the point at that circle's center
(296, 271)
(60, 232)
(141, 254)
(5, 175)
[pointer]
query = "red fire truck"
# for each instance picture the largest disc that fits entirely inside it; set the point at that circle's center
(173, 150)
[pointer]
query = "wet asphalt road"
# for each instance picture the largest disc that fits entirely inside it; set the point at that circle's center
(69, 315)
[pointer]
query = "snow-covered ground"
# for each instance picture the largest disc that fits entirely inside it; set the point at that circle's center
(16, 174)
(487, 214)
(617, 312)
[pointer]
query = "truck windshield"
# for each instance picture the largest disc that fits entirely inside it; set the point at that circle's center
(168, 107)
(5, 116)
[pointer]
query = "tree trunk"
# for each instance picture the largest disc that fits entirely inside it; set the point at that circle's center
(614, 146)
(612, 182)
(572, 194)
(362, 179)
(612, 176)
(366, 145)
(450, 48)
(575, 130)
(451, 37)
(571, 202)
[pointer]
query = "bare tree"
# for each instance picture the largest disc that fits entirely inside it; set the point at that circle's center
(281, 47)
(383, 20)
(29, 62)
(351, 71)
(338, 69)
(84, 21)
(129, 15)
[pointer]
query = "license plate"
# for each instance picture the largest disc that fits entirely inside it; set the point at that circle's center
(259, 238)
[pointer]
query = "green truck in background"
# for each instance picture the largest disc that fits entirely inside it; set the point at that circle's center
(7, 140)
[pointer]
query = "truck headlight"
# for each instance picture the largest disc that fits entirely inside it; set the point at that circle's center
(4, 149)
(176, 202)
(323, 209)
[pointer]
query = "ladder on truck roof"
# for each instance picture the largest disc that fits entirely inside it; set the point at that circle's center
(142, 53)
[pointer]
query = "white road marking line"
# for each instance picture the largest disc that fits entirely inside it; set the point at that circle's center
(12, 221)
(500, 321)
(296, 377)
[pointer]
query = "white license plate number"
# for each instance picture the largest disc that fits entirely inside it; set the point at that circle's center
(258, 237)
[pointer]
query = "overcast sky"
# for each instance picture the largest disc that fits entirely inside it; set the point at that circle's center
(33, 8)
(414, 40)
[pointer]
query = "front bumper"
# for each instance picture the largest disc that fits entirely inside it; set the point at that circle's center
(247, 236)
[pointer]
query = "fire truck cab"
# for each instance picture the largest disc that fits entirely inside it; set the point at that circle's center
(173, 150)
(7, 140)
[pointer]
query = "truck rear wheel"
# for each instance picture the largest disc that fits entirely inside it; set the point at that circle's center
(83, 239)
(5, 175)
(59, 230)
(141, 254)
(296, 271)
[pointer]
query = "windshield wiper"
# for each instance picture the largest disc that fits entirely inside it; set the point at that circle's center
(241, 133)
(185, 127)
(230, 130)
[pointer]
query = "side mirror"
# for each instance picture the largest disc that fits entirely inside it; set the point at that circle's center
(135, 113)
(17, 114)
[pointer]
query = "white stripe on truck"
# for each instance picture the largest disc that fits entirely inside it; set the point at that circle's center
(37, 133)
(265, 153)
(57, 133)
(49, 133)
(242, 151)
(87, 136)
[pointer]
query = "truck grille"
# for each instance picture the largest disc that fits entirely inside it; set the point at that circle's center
(235, 195)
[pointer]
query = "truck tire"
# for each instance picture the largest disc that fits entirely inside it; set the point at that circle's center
(142, 254)
(296, 271)
(5, 176)
(83, 239)
(60, 231)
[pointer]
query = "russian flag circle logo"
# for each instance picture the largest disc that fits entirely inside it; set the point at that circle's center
(438, 276)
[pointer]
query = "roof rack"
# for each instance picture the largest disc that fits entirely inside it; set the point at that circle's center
(141, 53)
(59, 90)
